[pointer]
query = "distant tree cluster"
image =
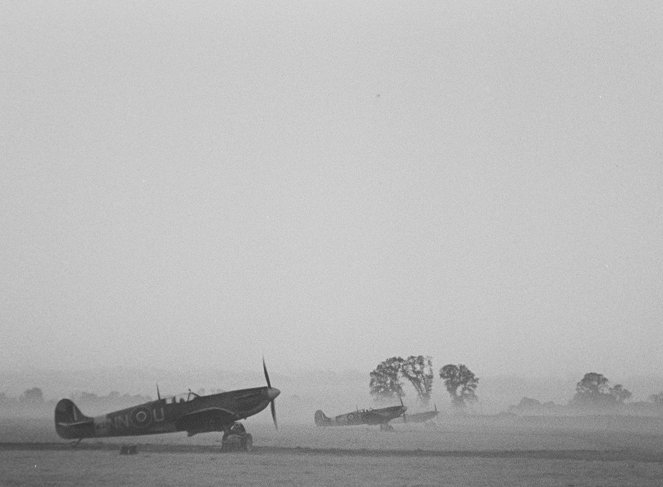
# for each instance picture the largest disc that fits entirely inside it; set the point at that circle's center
(30, 397)
(594, 390)
(657, 398)
(386, 380)
(530, 406)
(112, 400)
(32, 401)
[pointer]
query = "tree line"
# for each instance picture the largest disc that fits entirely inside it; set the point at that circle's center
(33, 398)
(594, 390)
(592, 393)
(387, 380)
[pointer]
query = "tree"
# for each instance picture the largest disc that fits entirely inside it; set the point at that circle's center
(529, 403)
(461, 383)
(32, 396)
(657, 398)
(419, 371)
(591, 387)
(385, 379)
(620, 393)
(6, 401)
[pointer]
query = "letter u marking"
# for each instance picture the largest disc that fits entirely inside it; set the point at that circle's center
(155, 415)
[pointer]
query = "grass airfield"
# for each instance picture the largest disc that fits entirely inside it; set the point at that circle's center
(471, 451)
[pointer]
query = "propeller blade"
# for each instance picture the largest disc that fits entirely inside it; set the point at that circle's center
(264, 368)
(273, 407)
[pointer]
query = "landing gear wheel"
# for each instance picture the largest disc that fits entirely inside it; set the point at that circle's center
(236, 439)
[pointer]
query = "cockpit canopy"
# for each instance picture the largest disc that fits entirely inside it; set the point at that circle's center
(181, 398)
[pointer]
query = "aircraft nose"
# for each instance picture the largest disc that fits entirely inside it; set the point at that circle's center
(272, 393)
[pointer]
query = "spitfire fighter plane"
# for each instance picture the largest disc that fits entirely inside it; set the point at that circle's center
(380, 416)
(189, 412)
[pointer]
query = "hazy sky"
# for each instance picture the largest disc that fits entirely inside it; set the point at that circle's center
(330, 184)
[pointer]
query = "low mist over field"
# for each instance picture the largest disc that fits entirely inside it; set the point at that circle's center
(491, 438)
(99, 391)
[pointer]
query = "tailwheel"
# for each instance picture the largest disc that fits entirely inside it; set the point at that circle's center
(248, 442)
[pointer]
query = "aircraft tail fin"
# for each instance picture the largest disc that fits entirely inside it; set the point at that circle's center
(321, 419)
(70, 422)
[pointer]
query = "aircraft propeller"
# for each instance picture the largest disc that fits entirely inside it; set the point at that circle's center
(402, 405)
(272, 399)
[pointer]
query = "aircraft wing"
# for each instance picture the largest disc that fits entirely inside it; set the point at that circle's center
(349, 418)
(204, 418)
(374, 417)
(383, 415)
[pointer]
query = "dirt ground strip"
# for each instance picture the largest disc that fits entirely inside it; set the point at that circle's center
(165, 448)
(161, 467)
(470, 452)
